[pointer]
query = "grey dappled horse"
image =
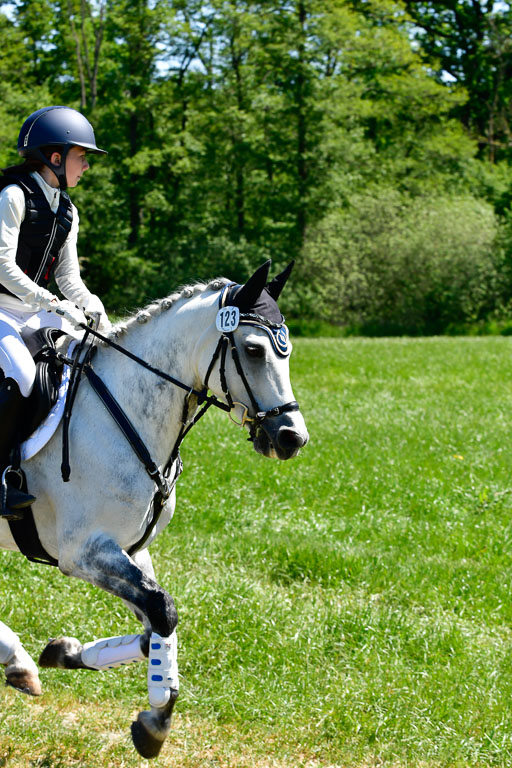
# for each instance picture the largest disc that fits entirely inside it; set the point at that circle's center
(230, 340)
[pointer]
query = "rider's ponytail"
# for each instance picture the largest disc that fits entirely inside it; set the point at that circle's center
(30, 164)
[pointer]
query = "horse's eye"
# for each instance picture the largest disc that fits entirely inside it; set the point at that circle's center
(254, 350)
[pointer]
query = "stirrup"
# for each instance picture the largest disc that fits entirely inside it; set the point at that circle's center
(6, 512)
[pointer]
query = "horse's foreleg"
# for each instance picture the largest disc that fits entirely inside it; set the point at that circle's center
(103, 563)
(20, 670)
(107, 653)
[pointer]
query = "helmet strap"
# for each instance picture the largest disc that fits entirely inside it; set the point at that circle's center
(58, 170)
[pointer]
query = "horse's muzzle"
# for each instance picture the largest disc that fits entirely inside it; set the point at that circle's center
(281, 438)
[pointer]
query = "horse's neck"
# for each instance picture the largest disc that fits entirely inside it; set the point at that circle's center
(167, 341)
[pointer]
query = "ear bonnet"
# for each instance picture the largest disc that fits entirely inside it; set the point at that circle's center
(257, 304)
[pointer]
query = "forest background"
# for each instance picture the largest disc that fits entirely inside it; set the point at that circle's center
(370, 140)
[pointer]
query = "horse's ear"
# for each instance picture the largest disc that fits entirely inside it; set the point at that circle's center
(250, 292)
(277, 284)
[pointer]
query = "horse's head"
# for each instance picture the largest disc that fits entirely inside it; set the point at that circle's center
(250, 366)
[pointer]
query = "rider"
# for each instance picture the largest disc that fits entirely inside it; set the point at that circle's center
(38, 236)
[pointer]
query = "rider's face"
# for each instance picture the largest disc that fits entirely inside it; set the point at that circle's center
(76, 165)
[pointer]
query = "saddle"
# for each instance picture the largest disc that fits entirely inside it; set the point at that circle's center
(42, 345)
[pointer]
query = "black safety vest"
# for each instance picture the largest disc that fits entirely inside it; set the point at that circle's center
(42, 232)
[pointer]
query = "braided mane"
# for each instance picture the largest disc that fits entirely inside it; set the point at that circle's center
(162, 305)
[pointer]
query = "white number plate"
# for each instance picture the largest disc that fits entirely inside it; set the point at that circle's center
(227, 319)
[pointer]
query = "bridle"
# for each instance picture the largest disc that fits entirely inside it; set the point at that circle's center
(227, 340)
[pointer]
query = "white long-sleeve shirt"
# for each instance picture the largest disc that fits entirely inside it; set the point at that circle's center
(28, 295)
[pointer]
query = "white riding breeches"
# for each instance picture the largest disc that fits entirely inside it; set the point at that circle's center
(15, 359)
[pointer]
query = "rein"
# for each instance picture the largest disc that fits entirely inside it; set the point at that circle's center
(202, 396)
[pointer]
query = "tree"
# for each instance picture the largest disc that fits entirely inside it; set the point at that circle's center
(468, 43)
(85, 24)
(240, 129)
(20, 90)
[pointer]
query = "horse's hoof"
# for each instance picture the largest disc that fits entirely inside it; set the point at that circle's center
(143, 741)
(24, 681)
(62, 653)
(150, 729)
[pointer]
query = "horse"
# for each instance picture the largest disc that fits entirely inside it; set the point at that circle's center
(215, 343)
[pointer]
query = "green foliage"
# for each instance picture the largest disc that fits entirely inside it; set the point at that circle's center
(402, 265)
(238, 131)
(469, 44)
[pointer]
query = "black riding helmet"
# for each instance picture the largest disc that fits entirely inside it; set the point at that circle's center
(59, 127)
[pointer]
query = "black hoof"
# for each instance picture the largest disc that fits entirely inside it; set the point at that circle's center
(52, 655)
(148, 724)
(62, 653)
(145, 744)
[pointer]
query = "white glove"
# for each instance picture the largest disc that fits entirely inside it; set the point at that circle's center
(69, 312)
(95, 307)
(105, 326)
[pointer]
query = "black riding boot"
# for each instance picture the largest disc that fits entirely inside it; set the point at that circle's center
(12, 499)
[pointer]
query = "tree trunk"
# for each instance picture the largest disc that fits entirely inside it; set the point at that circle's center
(302, 171)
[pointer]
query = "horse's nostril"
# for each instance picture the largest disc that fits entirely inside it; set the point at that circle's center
(290, 439)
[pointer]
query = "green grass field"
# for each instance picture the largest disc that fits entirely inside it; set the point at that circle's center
(348, 609)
